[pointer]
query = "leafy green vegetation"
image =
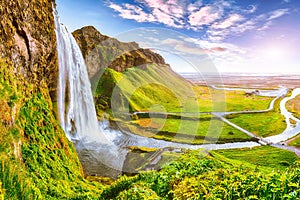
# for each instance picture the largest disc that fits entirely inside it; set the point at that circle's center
(196, 176)
(50, 159)
(262, 124)
(204, 129)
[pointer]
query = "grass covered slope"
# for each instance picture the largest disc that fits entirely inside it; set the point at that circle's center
(38, 161)
(196, 176)
(158, 89)
(144, 88)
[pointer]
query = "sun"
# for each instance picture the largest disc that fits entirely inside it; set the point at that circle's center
(275, 53)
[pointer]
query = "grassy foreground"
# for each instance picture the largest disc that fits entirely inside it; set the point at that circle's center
(197, 176)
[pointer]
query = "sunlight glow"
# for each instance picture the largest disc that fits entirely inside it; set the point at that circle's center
(275, 53)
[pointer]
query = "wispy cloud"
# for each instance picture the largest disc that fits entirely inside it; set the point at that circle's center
(204, 16)
(169, 13)
(228, 22)
(136, 13)
(237, 24)
(277, 13)
(216, 20)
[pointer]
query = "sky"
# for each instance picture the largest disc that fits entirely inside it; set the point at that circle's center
(233, 36)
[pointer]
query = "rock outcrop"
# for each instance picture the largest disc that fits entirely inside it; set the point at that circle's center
(27, 39)
(101, 51)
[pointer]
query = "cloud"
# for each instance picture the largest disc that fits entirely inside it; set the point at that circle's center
(204, 16)
(218, 49)
(183, 47)
(170, 7)
(168, 13)
(215, 20)
(237, 24)
(278, 13)
(190, 46)
(230, 21)
(251, 9)
(136, 13)
(194, 6)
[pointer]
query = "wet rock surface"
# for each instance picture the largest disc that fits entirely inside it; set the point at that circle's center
(27, 39)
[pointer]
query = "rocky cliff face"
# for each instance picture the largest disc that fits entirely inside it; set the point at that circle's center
(101, 52)
(27, 39)
(37, 160)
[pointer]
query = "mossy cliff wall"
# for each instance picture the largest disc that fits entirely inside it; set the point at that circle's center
(27, 39)
(36, 159)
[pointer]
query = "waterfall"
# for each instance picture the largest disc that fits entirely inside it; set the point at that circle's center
(75, 101)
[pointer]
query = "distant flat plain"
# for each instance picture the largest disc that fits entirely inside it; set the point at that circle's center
(265, 81)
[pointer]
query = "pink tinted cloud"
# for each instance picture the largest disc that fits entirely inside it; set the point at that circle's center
(228, 22)
(128, 11)
(219, 23)
(204, 16)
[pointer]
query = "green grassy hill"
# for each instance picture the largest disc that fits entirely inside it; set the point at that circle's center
(145, 88)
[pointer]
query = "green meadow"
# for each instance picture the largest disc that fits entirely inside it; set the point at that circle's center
(205, 129)
(261, 124)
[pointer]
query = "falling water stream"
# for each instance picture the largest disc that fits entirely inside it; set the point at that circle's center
(75, 101)
(77, 113)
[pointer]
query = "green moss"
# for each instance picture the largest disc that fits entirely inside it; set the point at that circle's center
(37, 160)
